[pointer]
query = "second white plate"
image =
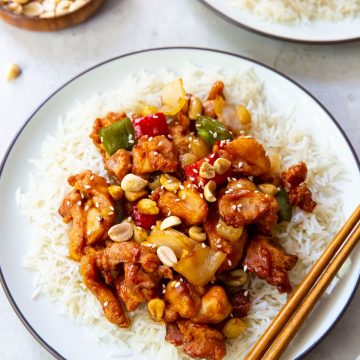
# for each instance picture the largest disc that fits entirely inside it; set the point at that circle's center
(316, 32)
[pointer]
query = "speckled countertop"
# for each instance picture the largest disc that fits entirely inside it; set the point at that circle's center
(331, 73)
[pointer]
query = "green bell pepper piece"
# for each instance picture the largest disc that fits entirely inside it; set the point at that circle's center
(285, 209)
(211, 130)
(119, 135)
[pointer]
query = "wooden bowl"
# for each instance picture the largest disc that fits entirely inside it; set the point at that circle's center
(51, 24)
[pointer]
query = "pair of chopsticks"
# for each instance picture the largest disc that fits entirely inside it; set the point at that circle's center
(281, 331)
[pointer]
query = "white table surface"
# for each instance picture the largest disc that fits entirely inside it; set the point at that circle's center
(331, 73)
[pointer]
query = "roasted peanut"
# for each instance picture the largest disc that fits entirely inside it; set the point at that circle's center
(12, 72)
(133, 183)
(222, 165)
(134, 195)
(195, 108)
(234, 278)
(121, 232)
(166, 255)
(147, 207)
(210, 191)
(156, 309)
(243, 114)
(116, 192)
(196, 233)
(169, 182)
(228, 232)
(233, 328)
(170, 222)
(207, 170)
(269, 189)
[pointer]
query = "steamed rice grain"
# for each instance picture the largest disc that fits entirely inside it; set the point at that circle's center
(70, 151)
(293, 11)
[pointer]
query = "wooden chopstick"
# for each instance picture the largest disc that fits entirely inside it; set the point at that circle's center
(278, 324)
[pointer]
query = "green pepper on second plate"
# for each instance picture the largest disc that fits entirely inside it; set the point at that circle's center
(119, 135)
(211, 130)
(285, 209)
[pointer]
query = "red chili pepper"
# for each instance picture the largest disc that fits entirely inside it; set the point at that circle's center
(193, 172)
(143, 220)
(151, 125)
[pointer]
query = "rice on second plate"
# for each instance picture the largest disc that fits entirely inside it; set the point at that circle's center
(70, 151)
(293, 11)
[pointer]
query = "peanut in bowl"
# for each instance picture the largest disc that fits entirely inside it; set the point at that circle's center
(47, 15)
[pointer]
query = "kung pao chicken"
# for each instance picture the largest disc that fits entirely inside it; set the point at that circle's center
(187, 214)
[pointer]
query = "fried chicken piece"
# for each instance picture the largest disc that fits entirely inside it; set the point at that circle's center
(299, 193)
(301, 196)
(198, 340)
(101, 123)
(154, 154)
(187, 204)
(183, 300)
(269, 261)
(130, 252)
(248, 157)
(90, 208)
(179, 133)
(216, 90)
(137, 286)
(119, 164)
(294, 175)
(234, 249)
(209, 108)
(240, 304)
(92, 279)
(190, 302)
(240, 206)
(215, 306)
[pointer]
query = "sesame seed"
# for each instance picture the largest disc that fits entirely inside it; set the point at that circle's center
(101, 139)
(68, 203)
(99, 218)
(169, 181)
(169, 213)
(170, 137)
(162, 187)
(88, 232)
(203, 245)
(212, 156)
(229, 262)
(183, 197)
(219, 246)
(240, 164)
(152, 227)
(82, 195)
(215, 135)
(177, 199)
(192, 178)
(195, 171)
(233, 207)
(246, 293)
(160, 143)
(228, 178)
(129, 218)
(182, 187)
(87, 187)
(177, 284)
(231, 315)
(164, 291)
(92, 177)
(188, 186)
(106, 303)
(111, 208)
(202, 196)
(245, 268)
(131, 141)
(163, 285)
(150, 138)
(110, 213)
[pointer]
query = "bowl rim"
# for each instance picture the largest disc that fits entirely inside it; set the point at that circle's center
(243, 26)
(8, 294)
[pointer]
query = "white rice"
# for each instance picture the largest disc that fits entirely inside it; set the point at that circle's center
(70, 151)
(294, 11)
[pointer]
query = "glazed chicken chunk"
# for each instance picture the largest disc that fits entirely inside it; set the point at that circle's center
(198, 340)
(242, 204)
(119, 164)
(299, 194)
(154, 154)
(90, 208)
(184, 300)
(183, 203)
(247, 156)
(268, 260)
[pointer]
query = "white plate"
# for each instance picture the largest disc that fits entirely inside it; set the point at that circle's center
(320, 32)
(60, 335)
